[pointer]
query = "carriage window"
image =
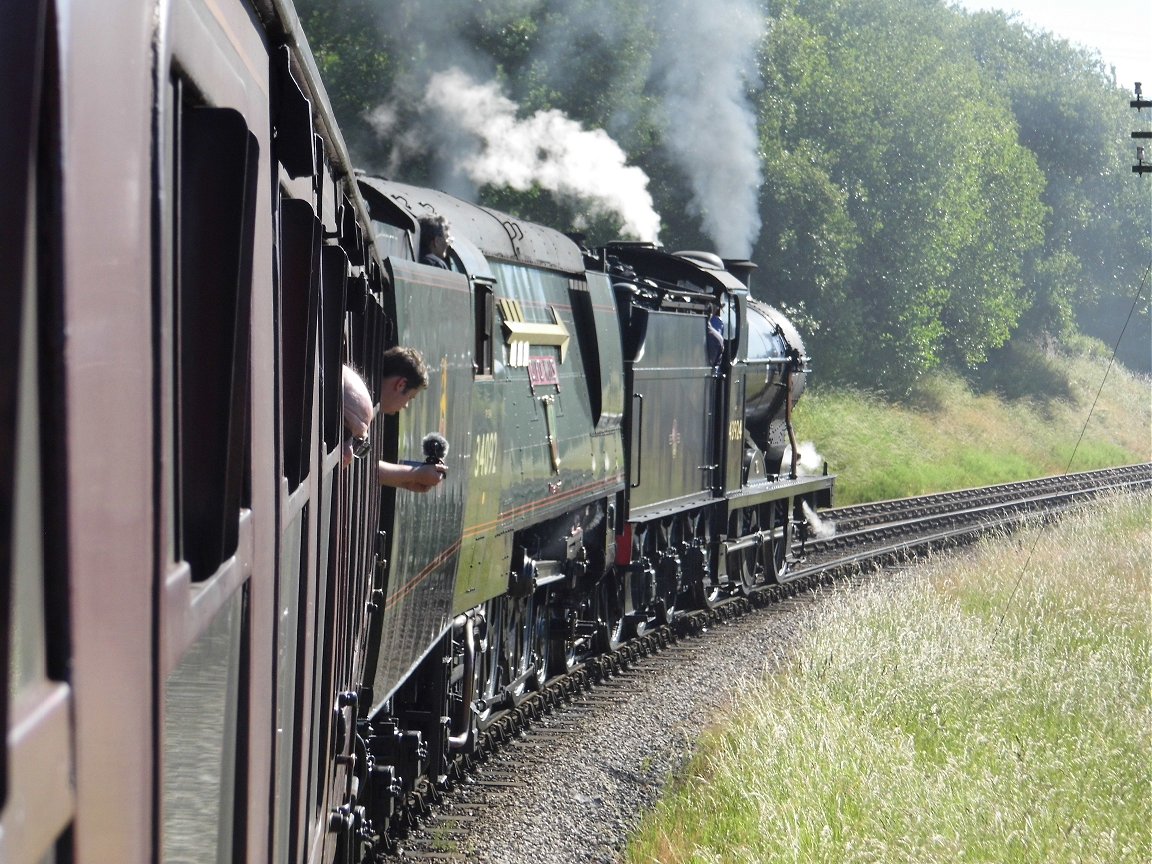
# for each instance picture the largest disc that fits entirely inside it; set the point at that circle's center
(214, 174)
(299, 308)
(202, 701)
(33, 452)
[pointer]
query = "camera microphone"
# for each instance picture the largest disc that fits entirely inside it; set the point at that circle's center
(435, 448)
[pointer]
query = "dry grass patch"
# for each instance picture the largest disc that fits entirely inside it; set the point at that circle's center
(990, 708)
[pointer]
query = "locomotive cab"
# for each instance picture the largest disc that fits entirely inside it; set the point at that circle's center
(711, 377)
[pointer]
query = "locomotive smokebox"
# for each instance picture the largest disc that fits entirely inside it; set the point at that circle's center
(742, 269)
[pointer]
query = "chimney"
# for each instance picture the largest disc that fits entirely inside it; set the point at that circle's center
(742, 269)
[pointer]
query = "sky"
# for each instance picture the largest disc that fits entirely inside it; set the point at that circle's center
(1121, 30)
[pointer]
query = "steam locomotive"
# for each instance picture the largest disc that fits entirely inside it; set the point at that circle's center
(223, 644)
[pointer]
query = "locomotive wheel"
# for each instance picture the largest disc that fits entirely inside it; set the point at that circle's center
(491, 665)
(747, 565)
(506, 655)
(708, 590)
(667, 589)
(562, 654)
(668, 573)
(516, 642)
(643, 579)
(541, 647)
(700, 564)
(518, 637)
(555, 647)
(780, 530)
(611, 605)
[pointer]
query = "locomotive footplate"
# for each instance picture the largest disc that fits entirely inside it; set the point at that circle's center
(817, 485)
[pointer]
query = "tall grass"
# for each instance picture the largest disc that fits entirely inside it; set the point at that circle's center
(994, 708)
(947, 436)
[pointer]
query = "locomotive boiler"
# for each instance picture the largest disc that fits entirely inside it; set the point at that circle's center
(225, 645)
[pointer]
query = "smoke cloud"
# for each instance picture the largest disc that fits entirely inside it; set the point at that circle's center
(703, 75)
(710, 125)
(546, 149)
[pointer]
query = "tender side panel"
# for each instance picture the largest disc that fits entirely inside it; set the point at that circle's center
(433, 311)
(672, 415)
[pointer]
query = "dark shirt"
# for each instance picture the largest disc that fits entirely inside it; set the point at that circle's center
(715, 345)
(434, 261)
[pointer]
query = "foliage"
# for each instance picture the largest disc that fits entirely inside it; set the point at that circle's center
(936, 184)
(1075, 120)
(353, 59)
(943, 200)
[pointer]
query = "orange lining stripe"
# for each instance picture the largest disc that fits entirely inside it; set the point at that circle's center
(445, 554)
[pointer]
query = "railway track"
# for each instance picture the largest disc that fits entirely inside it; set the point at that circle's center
(880, 530)
(519, 744)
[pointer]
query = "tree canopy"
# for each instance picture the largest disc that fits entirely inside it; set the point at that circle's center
(918, 185)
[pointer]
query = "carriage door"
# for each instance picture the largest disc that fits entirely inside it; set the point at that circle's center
(217, 513)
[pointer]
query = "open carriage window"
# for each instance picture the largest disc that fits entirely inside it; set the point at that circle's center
(214, 171)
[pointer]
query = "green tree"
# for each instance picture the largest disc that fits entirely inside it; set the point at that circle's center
(935, 183)
(354, 62)
(904, 142)
(1076, 121)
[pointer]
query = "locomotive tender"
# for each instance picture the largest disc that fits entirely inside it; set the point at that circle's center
(222, 644)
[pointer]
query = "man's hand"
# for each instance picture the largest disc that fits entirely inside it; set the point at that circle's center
(415, 478)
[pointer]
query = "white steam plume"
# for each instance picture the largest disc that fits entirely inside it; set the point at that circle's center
(821, 528)
(710, 65)
(546, 149)
(810, 463)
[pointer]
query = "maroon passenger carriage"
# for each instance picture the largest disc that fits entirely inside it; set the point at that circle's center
(222, 645)
(185, 568)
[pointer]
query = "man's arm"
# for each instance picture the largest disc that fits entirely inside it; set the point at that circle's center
(414, 478)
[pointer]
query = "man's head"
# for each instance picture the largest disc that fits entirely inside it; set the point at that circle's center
(403, 374)
(357, 416)
(434, 236)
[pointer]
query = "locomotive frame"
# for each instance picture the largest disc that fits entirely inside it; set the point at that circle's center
(222, 644)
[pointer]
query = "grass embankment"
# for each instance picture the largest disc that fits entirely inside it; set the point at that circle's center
(948, 437)
(995, 707)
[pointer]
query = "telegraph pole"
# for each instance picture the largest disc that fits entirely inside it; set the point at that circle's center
(1143, 164)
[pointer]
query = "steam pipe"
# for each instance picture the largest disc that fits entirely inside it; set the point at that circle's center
(788, 422)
